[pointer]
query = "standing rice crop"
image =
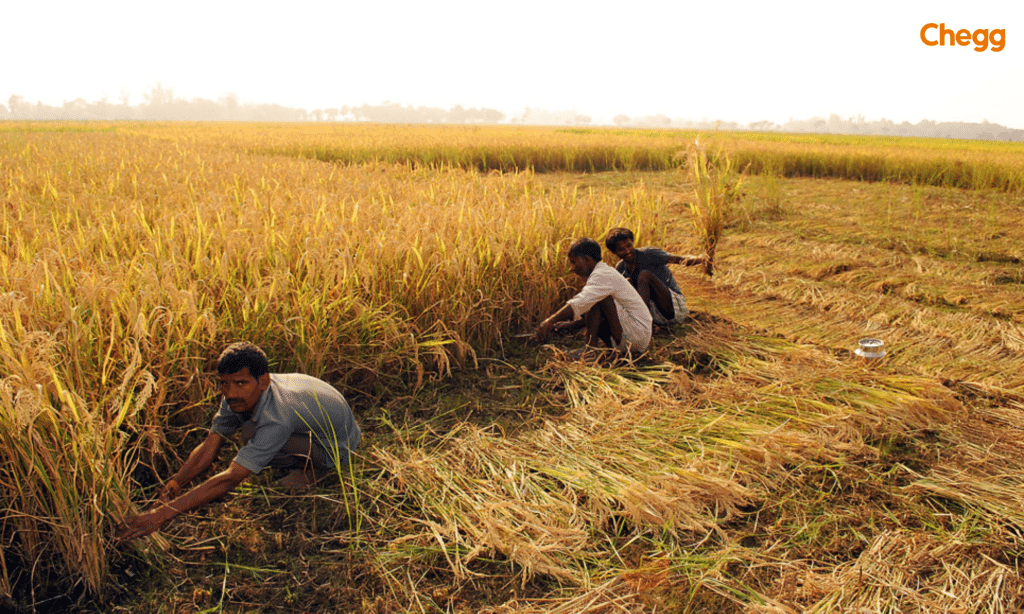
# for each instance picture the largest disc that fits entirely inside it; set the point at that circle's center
(133, 259)
(64, 452)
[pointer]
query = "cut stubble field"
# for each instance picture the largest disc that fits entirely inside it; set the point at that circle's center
(750, 463)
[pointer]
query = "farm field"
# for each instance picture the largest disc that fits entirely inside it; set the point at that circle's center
(750, 463)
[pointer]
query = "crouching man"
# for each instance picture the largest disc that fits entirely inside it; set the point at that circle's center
(646, 270)
(608, 307)
(286, 421)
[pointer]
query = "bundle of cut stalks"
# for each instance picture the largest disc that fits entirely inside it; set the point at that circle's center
(715, 187)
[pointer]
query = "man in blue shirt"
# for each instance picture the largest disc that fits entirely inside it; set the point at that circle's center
(647, 271)
(294, 422)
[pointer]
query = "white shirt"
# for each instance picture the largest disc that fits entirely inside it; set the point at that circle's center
(634, 316)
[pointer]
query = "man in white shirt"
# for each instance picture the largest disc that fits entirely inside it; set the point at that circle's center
(608, 306)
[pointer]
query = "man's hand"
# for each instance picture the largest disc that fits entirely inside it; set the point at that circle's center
(565, 327)
(543, 331)
(145, 524)
(170, 491)
(559, 328)
(563, 315)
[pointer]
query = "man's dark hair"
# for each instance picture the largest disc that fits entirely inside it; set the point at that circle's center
(243, 355)
(585, 246)
(616, 236)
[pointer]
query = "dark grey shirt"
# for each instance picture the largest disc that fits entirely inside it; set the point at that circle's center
(294, 404)
(654, 260)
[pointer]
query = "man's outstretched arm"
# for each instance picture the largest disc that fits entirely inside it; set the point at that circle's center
(151, 521)
(686, 260)
(198, 461)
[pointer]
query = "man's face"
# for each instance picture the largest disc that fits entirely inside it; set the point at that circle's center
(624, 250)
(242, 390)
(582, 265)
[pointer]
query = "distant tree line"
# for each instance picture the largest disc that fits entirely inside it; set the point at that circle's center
(926, 128)
(542, 117)
(837, 125)
(160, 103)
(390, 112)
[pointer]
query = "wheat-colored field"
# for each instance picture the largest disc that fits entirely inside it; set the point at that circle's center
(751, 462)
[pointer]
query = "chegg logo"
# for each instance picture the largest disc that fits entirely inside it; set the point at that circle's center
(933, 34)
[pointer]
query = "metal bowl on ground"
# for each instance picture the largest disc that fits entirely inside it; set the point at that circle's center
(870, 348)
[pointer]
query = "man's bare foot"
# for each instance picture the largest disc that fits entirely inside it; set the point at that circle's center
(299, 479)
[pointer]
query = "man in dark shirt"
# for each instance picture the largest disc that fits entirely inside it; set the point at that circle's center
(647, 270)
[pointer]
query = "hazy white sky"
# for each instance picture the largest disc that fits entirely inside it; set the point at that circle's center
(738, 61)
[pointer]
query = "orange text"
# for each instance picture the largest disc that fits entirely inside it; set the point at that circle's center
(981, 38)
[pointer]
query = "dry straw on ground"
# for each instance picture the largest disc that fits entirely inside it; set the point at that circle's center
(677, 470)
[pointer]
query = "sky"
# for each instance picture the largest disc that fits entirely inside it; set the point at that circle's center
(741, 61)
